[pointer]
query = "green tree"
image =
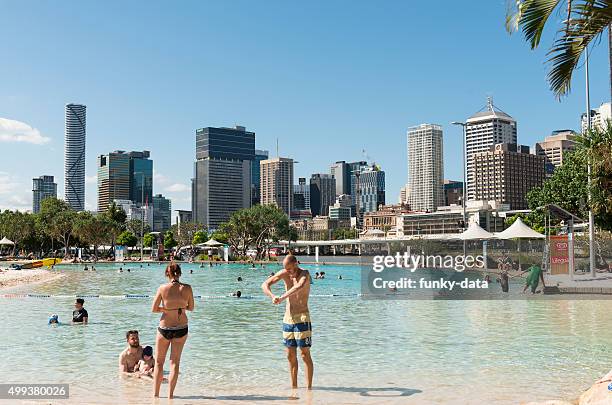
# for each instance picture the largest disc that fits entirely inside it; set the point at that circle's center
(136, 227)
(585, 21)
(148, 240)
(169, 241)
(200, 237)
(127, 238)
(93, 229)
(18, 227)
(117, 214)
(57, 218)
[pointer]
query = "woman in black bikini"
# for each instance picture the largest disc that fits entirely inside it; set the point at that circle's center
(173, 299)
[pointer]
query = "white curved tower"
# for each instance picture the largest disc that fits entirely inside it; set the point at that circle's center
(74, 156)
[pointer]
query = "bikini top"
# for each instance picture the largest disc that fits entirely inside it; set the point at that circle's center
(180, 310)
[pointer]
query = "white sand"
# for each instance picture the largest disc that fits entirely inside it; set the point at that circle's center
(14, 278)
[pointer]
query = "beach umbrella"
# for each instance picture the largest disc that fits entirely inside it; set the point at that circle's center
(213, 243)
(518, 230)
(475, 232)
(5, 241)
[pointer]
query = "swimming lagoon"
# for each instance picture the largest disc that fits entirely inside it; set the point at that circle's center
(365, 351)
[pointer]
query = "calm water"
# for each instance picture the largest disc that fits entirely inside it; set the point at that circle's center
(364, 351)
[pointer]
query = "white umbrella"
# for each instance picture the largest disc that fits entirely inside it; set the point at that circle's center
(518, 230)
(213, 243)
(474, 231)
(5, 241)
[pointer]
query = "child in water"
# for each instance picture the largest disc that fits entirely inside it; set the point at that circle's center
(146, 364)
(54, 320)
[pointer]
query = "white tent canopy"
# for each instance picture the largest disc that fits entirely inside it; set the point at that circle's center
(5, 241)
(213, 243)
(518, 230)
(474, 231)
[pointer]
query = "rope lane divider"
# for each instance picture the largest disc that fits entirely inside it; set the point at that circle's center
(141, 296)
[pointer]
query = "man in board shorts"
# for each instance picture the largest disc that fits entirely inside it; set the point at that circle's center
(297, 329)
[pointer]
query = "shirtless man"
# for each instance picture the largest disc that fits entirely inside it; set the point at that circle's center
(132, 354)
(297, 329)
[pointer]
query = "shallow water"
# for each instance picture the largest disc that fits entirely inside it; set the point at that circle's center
(364, 350)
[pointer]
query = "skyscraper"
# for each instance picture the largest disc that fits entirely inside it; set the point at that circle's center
(74, 156)
(425, 167)
(255, 176)
(113, 178)
(162, 212)
(342, 173)
(506, 173)
(322, 193)
(301, 195)
(555, 147)
(599, 117)
(368, 188)
(141, 177)
(222, 180)
(277, 183)
(42, 187)
(482, 131)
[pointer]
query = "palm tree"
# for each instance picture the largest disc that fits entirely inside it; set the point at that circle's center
(585, 21)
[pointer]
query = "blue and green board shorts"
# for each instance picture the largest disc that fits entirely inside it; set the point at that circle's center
(297, 330)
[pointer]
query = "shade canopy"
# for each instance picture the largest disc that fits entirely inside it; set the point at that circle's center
(213, 243)
(475, 232)
(518, 230)
(5, 241)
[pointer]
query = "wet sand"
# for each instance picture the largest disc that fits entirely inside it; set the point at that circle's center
(15, 278)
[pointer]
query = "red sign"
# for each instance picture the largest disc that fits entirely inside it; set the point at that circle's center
(559, 254)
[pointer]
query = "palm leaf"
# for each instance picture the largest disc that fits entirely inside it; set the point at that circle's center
(531, 17)
(589, 20)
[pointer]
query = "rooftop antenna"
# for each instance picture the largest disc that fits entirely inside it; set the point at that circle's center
(277, 155)
(490, 103)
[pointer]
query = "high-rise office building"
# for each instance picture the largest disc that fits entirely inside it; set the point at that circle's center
(368, 191)
(342, 208)
(301, 195)
(425, 167)
(322, 193)
(74, 156)
(222, 180)
(162, 212)
(453, 192)
(113, 178)
(482, 131)
(342, 173)
(141, 177)
(555, 147)
(136, 211)
(277, 183)
(599, 117)
(404, 194)
(42, 187)
(506, 173)
(255, 176)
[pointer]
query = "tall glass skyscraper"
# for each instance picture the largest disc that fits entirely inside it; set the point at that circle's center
(255, 174)
(141, 177)
(113, 178)
(222, 174)
(74, 156)
(42, 187)
(162, 211)
(322, 193)
(368, 188)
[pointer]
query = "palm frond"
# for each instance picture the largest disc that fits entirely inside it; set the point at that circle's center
(530, 16)
(589, 20)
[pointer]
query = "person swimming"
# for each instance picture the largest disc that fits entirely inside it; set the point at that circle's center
(53, 319)
(239, 278)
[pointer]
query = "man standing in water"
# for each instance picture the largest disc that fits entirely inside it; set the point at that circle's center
(297, 329)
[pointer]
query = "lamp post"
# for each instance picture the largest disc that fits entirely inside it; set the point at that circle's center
(591, 217)
(142, 211)
(463, 197)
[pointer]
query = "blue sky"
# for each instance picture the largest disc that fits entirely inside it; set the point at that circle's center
(328, 79)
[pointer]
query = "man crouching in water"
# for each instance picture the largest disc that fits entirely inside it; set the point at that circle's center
(297, 329)
(132, 354)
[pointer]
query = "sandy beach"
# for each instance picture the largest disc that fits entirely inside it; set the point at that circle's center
(14, 278)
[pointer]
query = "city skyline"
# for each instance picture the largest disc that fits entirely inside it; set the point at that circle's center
(125, 112)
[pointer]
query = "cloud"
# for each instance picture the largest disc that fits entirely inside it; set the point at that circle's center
(17, 131)
(177, 188)
(159, 178)
(14, 195)
(91, 179)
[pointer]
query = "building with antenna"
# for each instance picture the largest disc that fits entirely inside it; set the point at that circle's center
(483, 130)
